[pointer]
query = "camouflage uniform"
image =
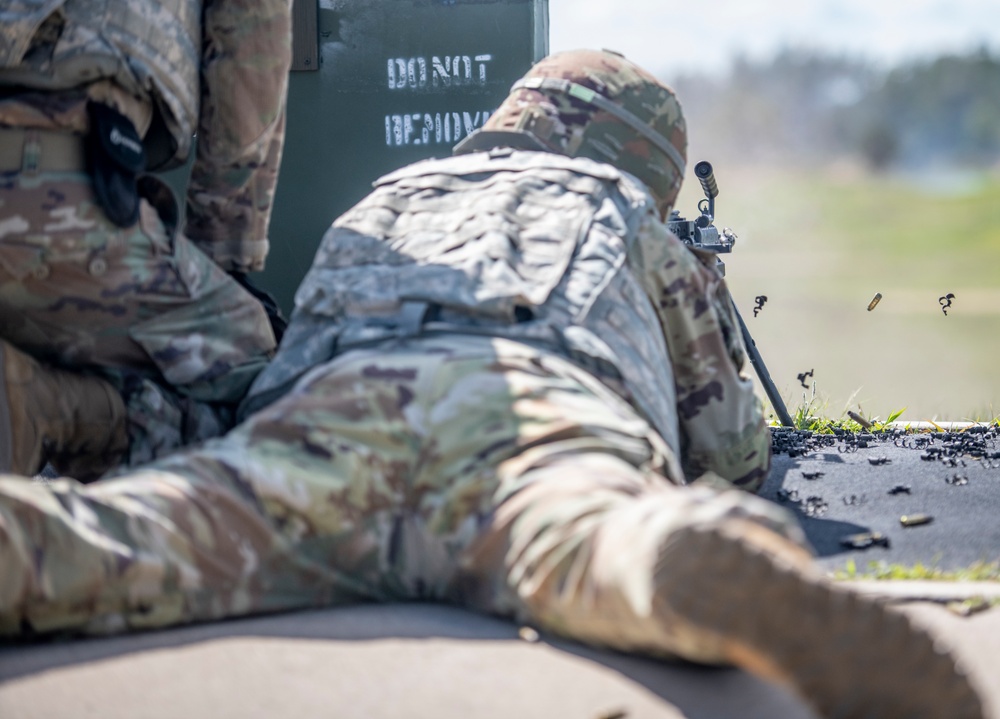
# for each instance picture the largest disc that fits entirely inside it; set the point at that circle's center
(562, 253)
(507, 386)
(150, 305)
(465, 469)
(497, 451)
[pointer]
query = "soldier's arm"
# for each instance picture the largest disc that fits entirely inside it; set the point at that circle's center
(246, 56)
(721, 420)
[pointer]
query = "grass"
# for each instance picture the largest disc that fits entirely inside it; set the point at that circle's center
(977, 572)
(809, 415)
(847, 423)
(820, 244)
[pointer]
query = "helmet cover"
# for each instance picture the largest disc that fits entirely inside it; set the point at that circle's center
(597, 104)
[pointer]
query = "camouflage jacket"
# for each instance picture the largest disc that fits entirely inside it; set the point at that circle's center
(145, 58)
(565, 253)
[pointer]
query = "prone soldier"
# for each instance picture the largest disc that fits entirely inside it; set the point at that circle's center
(506, 385)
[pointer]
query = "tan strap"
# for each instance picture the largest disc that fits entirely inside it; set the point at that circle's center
(32, 150)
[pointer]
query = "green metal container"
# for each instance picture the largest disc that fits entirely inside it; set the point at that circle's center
(384, 84)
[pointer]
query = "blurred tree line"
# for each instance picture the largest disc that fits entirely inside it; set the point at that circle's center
(802, 107)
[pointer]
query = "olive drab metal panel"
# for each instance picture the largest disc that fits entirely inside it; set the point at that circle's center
(397, 81)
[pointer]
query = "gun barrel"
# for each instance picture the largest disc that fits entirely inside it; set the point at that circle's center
(706, 176)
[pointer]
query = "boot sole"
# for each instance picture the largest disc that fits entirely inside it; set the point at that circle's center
(851, 657)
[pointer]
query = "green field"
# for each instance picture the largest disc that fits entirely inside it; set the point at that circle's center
(819, 245)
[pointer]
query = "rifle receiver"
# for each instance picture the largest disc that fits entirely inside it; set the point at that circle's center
(700, 233)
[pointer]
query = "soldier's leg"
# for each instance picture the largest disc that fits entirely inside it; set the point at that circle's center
(85, 424)
(366, 481)
(586, 539)
(309, 502)
(72, 420)
(152, 549)
(77, 290)
(139, 302)
(378, 478)
(497, 476)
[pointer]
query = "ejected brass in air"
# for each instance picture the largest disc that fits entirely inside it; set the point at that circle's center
(875, 299)
(912, 520)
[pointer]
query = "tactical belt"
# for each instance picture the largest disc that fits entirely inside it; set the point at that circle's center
(32, 150)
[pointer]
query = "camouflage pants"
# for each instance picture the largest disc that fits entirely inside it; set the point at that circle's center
(466, 470)
(142, 304)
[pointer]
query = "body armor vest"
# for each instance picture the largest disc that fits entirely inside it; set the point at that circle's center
(530, 246)
(150, 48)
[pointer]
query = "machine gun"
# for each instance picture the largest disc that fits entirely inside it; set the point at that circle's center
(701, 234)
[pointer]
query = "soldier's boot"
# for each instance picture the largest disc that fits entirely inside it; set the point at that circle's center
(75, 422)
(762, 601)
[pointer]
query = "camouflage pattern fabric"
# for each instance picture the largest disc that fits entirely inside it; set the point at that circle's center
(721, 419)
(565, 122)
(159, 419)
(149, 305)
(57, 57)
(78, 291)
(246, 57)
(145, 48)
(540, 248)
(470, 470)
(501, 373)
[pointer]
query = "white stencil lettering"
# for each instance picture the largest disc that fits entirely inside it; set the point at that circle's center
(431, 128)
(447, 71)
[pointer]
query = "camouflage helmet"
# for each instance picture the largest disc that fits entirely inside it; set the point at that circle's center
(597, 104)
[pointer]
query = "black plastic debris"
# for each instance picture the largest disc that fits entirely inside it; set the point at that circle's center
(945, 302)
(802, 376)
(797, 442)
(815, 506)
(953, 448)
(879, 461)
(788, 495)
(900, 489)
(854, 442)
(759, 300)
(812, 475)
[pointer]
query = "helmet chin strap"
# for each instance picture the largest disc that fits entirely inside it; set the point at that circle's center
(590, 97)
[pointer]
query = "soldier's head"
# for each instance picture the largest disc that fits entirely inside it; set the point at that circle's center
(597, 104)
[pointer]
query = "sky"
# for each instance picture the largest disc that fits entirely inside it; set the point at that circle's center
(671, 36)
